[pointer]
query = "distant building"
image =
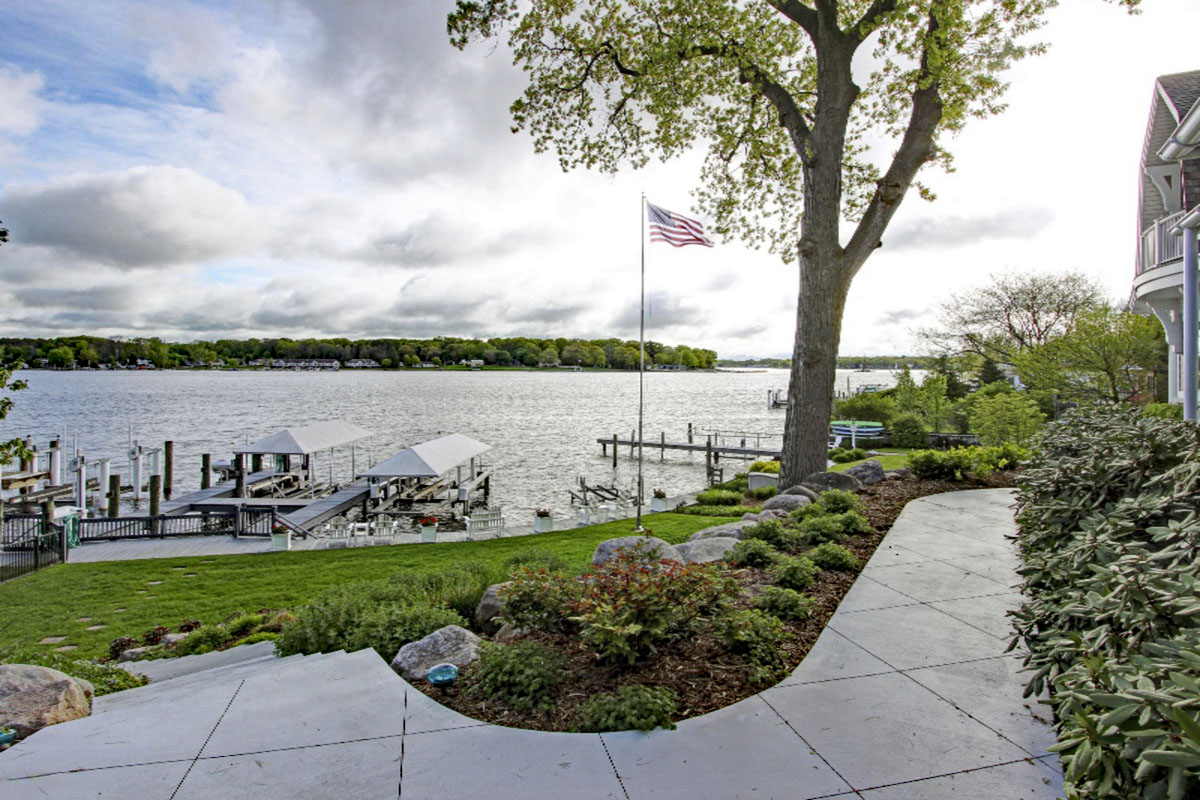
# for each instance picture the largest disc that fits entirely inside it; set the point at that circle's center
(362, 363)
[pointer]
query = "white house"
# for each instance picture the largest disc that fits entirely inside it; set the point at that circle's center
(1168, 216)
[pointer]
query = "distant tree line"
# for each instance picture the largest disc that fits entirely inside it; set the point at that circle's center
(843, 362)
(94, 351)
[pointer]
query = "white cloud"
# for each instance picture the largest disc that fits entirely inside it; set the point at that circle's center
(20, 106)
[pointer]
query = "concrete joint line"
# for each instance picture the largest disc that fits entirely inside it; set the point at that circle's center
(811, 749)
(208, 738)
(620, 781)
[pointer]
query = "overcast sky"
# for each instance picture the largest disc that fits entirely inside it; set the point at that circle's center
(317, 168)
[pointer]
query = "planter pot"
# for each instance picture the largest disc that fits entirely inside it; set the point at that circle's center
(658, 504)
(543, 524)
(7, 736)
(281, 541)
(429, 533)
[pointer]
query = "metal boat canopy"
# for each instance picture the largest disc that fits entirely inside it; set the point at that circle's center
(308, 439)
(429, 459)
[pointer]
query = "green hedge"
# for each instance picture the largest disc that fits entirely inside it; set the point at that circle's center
(1111, 541)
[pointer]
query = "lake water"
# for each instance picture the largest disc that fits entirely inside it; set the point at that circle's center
(543, 425)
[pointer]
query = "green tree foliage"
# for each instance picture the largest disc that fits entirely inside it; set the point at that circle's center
(868, 407)
(906, 393)
(61, 357)
(1011, 314)
(1006, 418)
(766, 87)
(1106, 355)
(989, 372)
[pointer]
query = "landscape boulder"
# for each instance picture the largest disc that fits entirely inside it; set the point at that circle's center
(174, 638)
(868, 472)
(134, 653)
(803, 491)
(763, 516)
(487, 613)
(824, 481)
(897, 474)
(610, 548)
(449, 645)
(785, 502)
(33, 697)
(731, 529)
(704, 551)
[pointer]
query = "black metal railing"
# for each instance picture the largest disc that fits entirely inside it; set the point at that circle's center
(27, 548)
(235, 522)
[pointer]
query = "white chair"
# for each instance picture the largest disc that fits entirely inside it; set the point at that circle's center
(337, 532)
(383, 531)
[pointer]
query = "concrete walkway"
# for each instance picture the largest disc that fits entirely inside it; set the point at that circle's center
(907, 694)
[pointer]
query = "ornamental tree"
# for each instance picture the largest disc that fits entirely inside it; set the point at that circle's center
(767, 88)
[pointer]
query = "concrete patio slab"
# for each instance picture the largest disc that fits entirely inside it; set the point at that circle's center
(868, 594)
(908, 637)
(145, 782)
(940, 545)
(933, 580)
(891, 554)
(834, 657)
(366, 769)
(999, 567)
(424, 715)
(883, 729)
(507, 764)
(1020, 780)
(1001, 679)
(741, 751)
(987, 613)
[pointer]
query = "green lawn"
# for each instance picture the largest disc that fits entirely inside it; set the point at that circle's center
(131, 597)
(892, 459)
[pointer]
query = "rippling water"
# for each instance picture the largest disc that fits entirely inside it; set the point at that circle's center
(543, 425)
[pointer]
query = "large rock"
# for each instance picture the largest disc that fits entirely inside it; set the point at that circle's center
(703, 551)
(785, 502)
(609, 548)
(730, 529)
(868, 472)
(823, 481)
(487, 613)
(803, 491)
(134, 653)
(763, 516)
(449, 645)
(33, 697)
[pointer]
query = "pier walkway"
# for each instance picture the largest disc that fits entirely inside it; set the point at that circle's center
(907, 695)
(662, 446)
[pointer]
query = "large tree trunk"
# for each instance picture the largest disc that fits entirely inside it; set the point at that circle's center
(814, 361)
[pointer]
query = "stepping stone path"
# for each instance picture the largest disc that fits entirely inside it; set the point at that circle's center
(153, 583)
(53, 640)
(66, 648)
(84, 619)
(95, 627)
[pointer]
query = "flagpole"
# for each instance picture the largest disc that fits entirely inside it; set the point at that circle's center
(641, 371)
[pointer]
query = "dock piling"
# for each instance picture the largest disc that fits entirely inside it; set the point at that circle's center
(155, 495)
(690, 441)
(614, 451)
(114, 496)
(239, 469)
(662, 452)
(169, 468)
(206, 471)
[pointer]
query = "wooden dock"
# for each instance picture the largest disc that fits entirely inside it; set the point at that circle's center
(717, 450)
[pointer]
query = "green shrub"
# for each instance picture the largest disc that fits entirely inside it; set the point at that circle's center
(986, 460)
(784, 603)
(1109, 536)
(840, 456)
(757, 635)
(837, 501)
(208, 638)
(719, 497)
(833, 556)
(540, 600)
(261, 636)
(626, 606)
(908, 431)
(752, 553)
(244, 624)
(954, 464)
(105, 678)
(818, 528)
(868, 407)
(771, 467)
(853, 522)
(386, 629)
(738, 484)
(763, 492)
(522, 674)
(719, 511)
(630, 708)
(773, 532)
(538, 557)
(794, 572)
(1163, 410)
(1004, 418)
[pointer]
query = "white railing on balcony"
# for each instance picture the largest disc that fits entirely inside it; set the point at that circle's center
(1159, 245)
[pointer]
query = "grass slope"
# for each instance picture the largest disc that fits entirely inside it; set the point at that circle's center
(130, 597)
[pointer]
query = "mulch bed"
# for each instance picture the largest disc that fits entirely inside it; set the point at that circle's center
(701, 671)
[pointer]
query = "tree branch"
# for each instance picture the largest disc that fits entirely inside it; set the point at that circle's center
(866, 23)
(799, 13)
(791, 117)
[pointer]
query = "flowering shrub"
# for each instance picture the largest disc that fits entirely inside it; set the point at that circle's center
(540, 600)
(629, 603)
(426, 521)
(541, 512)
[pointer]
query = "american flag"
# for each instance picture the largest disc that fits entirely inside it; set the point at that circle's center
(675, 229)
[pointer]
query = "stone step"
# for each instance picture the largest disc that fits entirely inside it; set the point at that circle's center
(162, 669)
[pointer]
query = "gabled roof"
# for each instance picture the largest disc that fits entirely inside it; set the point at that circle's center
(1182, 90)
(1174, 96)
(308, 439)
(429, 459)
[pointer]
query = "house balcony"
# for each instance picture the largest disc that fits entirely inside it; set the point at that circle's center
(1160, 260)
